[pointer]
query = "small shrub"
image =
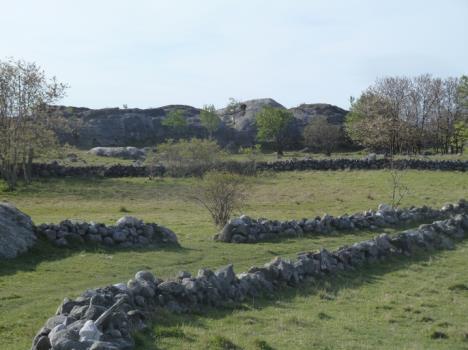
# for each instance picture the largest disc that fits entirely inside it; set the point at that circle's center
(220, 193)
(187, 157)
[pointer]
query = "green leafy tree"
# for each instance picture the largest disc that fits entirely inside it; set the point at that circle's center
(176, 121)
(463, 93)
(209, 119)
(272, 124)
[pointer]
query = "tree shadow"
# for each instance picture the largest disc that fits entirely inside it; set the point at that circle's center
(44, 251)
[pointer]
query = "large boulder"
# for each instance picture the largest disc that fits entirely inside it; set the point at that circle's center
(118, 152)
(16, 231)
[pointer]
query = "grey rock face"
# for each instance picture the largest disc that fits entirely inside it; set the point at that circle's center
(16, 231)
(114, 127)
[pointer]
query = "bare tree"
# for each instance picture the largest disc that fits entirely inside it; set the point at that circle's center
(26, 126)
(399, 190)
(401, 114)
(221, 194)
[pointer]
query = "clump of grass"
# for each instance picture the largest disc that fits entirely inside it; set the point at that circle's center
(123, 209)
(427, 319)
(439, 335)
(458, 287)
(262, 345)
(219, 342)
(173, 332)
(324, 316)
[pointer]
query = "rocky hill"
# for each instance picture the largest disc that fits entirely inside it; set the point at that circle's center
(143, 127)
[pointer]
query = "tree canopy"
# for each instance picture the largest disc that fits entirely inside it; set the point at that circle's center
(209, 119)
(272, 124)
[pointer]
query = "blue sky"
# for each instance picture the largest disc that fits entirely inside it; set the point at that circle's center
(151, 53)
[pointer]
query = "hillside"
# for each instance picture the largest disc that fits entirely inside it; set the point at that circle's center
(142, 127)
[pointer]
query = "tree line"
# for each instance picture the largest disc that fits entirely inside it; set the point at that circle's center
(408, 115)
(394, 115)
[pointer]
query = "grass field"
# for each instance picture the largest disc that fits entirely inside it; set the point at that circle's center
(321, 316)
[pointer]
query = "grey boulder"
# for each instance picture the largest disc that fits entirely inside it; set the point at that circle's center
(16, 231)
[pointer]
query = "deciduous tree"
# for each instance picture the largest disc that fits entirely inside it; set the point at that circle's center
(272, 124)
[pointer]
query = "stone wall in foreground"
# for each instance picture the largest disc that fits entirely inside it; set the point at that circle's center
(56, 170)
(248, 230)
(128, 232)
(105, 318)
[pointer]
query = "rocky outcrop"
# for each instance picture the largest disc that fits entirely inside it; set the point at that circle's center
(307, 112)
(115, 127)
(247, 230)
(105, 318)
(16, 231)
(242, 118)
(128, 232)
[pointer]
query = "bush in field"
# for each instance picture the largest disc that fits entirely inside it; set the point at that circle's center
(221, 193)
(323, 136)
(187, 157)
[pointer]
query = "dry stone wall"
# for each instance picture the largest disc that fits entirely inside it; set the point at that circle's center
(57, 170)
(105, 318)
(128, 232)
(247, 230)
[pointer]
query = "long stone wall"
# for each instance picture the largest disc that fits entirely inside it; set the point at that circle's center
(248, 230)
(56, 170)
(128, 232)
(105, 318)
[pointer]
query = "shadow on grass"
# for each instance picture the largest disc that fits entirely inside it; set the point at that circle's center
(168, 325)
(44, 251)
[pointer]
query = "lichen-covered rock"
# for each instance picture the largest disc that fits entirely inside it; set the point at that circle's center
(16, 231)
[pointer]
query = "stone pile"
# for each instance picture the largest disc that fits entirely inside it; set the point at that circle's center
(128, 232)
(248, 230)
(105, 318)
